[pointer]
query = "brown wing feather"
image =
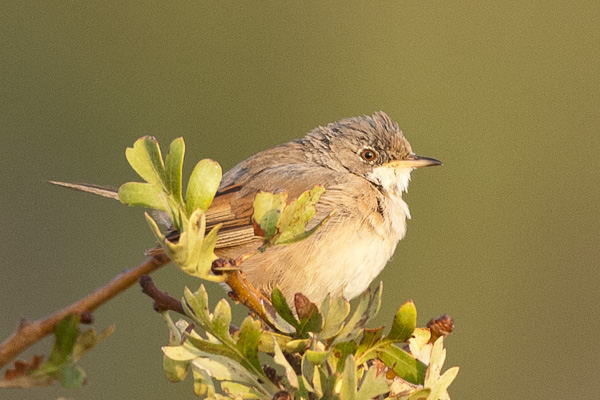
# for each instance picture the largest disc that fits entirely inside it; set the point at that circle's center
(233, 204)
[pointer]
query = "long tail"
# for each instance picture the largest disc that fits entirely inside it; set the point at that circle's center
(112, 193)
(103, 191)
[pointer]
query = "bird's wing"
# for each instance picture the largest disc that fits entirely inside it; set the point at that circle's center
(233, 205)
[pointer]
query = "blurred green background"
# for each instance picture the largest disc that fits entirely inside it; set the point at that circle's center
(504, 236)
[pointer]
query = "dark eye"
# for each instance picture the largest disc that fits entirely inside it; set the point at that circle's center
(368, 155)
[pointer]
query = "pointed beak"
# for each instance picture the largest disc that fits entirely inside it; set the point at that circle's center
(414, 161)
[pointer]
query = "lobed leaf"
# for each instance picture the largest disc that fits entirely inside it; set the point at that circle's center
(372, 385)
(367, 308)
(291, 226)
(334, 312)
(145, 158)
(267, 211)
(88, 340)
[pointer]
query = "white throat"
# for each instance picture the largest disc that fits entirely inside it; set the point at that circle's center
(394, 181)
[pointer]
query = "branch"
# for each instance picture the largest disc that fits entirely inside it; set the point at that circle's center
(30, 332)
(242, 290)
(162, 301)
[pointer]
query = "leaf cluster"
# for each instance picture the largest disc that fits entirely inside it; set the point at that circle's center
(314, 353)
(69, 346)
(193, 251)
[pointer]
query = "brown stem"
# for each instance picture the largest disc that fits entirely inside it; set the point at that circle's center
(29, 332)
(162, 301)
(242, 290)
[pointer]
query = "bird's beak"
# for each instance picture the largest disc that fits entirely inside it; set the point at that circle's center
(414, 161)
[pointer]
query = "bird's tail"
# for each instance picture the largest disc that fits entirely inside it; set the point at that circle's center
(104, 191)
(112, 193)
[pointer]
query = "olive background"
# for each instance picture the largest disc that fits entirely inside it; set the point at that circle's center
(504, 236)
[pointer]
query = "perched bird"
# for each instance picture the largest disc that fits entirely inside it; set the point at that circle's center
(364, 163)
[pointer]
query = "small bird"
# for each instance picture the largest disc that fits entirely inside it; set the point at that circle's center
(364, 163)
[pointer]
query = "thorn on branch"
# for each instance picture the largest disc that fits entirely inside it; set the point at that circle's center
(162, 301)
(86, 317)
(23, 322)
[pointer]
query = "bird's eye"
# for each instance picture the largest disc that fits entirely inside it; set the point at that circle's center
(368, 155)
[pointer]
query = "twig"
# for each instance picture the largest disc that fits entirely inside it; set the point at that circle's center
(162, 301)
(242, 290)
(30, 332)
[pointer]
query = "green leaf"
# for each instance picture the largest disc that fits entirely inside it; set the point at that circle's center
(267, 211)
(71, 376)
(282, 307)
(317, 383)
(194, 252)
(280, 359)
(421, 394)
(294, 218)
(265, 344)
(404, 323)
(225, 369)
(370, 337)
(210, 347)
(142, 194)
(66, 332)
(88, 340)
(334, 312)
(316, 357)
(440, 389)
(197, 252)
(182, 353)
(203, 383)
(173, 167)
(403, 364)
(348, 391)
(237, 390)
(145, 158)
(367, 308)
(342, 351)
(439, 384)
(297, 346)
(196, 306)
(203, 185)
(372, 385)
(68, 347)
(275, 320)
(221, 319)
(310, 319)
(175, 370)
(247, 344)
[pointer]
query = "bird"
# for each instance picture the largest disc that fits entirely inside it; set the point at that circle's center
(365, 164)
